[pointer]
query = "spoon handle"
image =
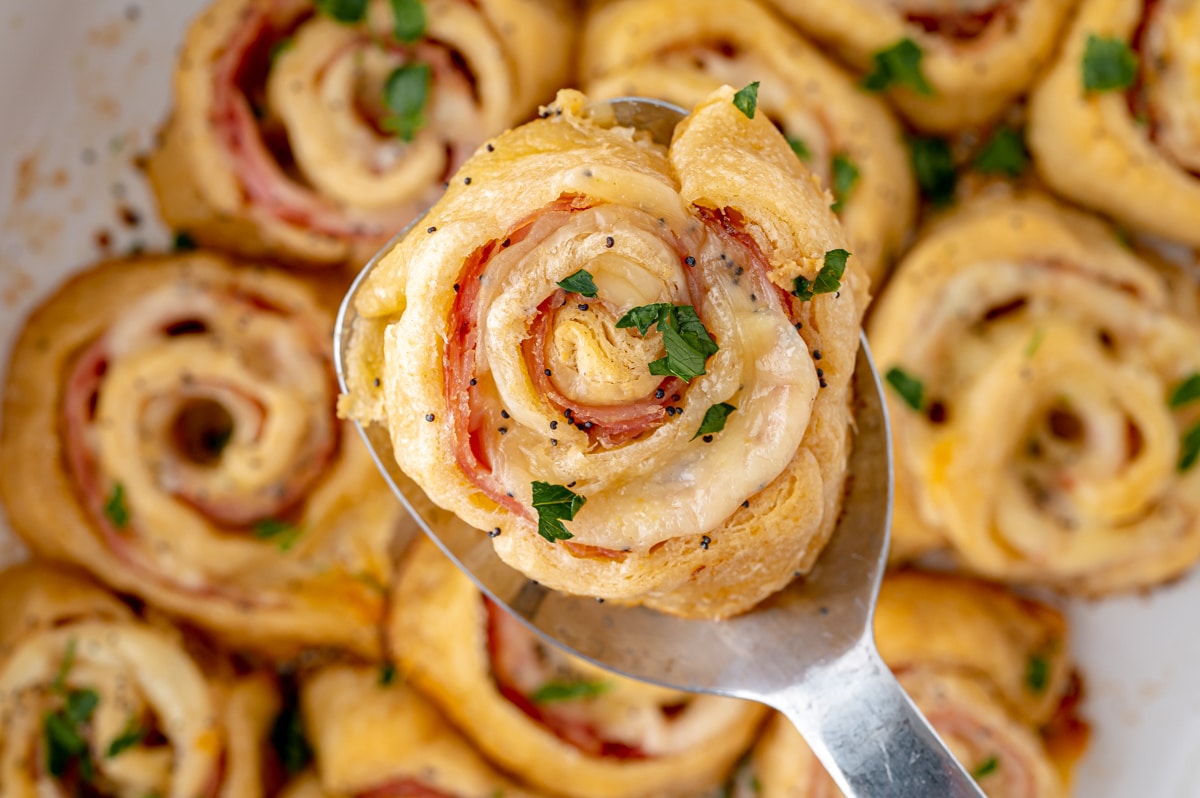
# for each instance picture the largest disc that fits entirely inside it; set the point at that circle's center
(867, 732)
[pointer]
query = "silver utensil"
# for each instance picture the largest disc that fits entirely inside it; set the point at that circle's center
(809, 651)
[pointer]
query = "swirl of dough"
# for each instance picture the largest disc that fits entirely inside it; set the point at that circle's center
(977, 56)
(495, 372)
(169, 425)
(680, 50)
(283, 141)
(1134, 152)
(96, 702)
(988, 670)
(561, 724)
(1035, 421)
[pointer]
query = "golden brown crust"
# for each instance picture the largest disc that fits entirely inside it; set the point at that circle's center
(729, 184)
(252, 345)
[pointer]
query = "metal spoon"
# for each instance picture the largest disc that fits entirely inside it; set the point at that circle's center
(808, 651)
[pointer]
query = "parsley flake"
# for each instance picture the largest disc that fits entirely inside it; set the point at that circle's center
(934, 167)
(127, 739)
(645, 316)
(408, 19)
(907, 387)
(555, 504)
(569, 691)
(63, 732)
(1189, 450)
(898, 65)
(280, 47)
(685, 338)
(845, 175)
(283, 533)
(1108, 64)
(714, 419)
(289, 741)
(405, 94)
(1037, 673)
(800, 148)
(579, 283)
(985, 768)
(387, 675)
(115, 509)
(183, 242)
(746, 100)
(828, 279)
(1003, 154)
(343, 10)
(1186, 391)
(59, 685)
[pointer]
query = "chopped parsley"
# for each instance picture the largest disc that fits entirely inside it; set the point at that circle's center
(283, 533)
(405, 94)
(115, 508)
(746, 100)
(1035, 342)
(127, 739)
(64, 734)
(1037, 673)
(1004, 154)
(907, 387)
(1185, 392)
(569, 691)
(985, 768)
(898, 65)
(183, 242)
(828, 279)
(800, 148)
(685, 338)
(408, 19)
(59, 685)
(555, 504)
(289, 741)
(579, 283)
(1108, 64)
(343, 10)
(280, 47)
(387, 675)
(714, 419)
(845, 175)
(1189, 449)
(934, 167)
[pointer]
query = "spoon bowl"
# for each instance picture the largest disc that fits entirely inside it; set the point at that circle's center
(808, 651)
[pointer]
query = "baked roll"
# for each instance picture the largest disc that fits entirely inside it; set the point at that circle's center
(1116, 123)
(945, 65)
(169, 425)
(559, 723)
(313, 138)
(1042, 419)
(989, 670)
(377, 738)
(680, 50)
(95, 702)
(589, 348)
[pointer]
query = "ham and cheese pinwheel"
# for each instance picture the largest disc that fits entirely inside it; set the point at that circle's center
(946, 64)
(680, 50)
(309, 135)
(989, 670)
(557, 722)
(169, 425)
(631, 364)
(375, 737)
(1116, 124)
(95, 702)
(1043, 399)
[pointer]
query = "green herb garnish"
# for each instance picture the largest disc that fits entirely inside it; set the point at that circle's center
(985, 768)
(1037, 673)
(1004, 154)
(800, 148)
(685, 338)
(127, 739)
(908, 387)
(1035, 342)
(283, 533)
(579, 283)
(387, 675)
(115, 509)
(746, 100)
(183, 242)
(404, 95)
(280, 47)
(643, 317)
(1185, 392)
(828, 279)
(1189, 449)
(555, 504)
(59, 685)
(343, 10)
(569, 691)
(898, 65)
(934, 167)
(845, 175)
(1108, 64)
(714, 419)
(408, 19)
(289, 741)
(63, 731)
